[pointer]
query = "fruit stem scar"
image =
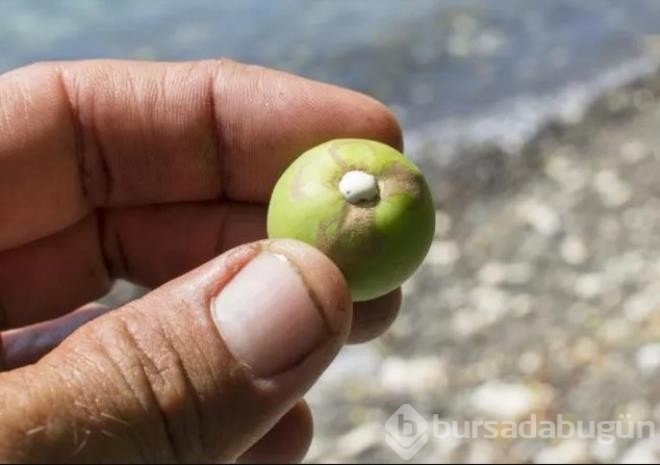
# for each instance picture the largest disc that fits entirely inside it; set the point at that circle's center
(358, 186)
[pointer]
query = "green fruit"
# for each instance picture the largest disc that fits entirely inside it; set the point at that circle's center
(364, 205)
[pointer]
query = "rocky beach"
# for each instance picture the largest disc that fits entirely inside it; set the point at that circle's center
(541, 295)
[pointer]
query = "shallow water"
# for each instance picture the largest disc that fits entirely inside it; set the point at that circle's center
(453, 70)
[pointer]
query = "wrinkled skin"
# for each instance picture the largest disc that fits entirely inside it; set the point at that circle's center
(377, 244)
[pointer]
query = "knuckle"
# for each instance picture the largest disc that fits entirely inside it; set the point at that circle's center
(95, 171)
(151, 376)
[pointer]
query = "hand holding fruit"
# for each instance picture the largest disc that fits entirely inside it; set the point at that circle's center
(160, 173)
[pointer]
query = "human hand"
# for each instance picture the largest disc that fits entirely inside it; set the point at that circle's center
(146, 171)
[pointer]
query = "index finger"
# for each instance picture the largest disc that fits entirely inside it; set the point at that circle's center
(77, 136)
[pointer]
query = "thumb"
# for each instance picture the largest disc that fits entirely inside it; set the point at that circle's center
(197, 370)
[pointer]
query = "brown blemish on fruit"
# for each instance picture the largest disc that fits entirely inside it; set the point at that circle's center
(354, 238)
(323, 235)
(359, 222)
(399, 179)
(297, 185)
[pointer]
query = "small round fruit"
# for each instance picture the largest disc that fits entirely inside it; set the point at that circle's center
(364, 205)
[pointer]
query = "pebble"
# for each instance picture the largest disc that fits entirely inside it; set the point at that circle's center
(522, 305)
(484, 369)
(499, 400)
(530, 362)
(588, 285)
(636, 410)
(640, 306)
(490, 301)
(359, 440)
(573, 250)
(519, 273)
(565, 172)
(614, 331)
(633, 151)
(585, 350)
(443, 449)
(442, 224)
(612, 190)
(573, 450)
(443, 253)
(481, 452)
(604, 452)
(495, 273)
(415, 376)
(624, 268)
(353, 362)
(648, 359)
(645, 451)
(466, 322)
(543, 218)
(572, 111)
(492, 273)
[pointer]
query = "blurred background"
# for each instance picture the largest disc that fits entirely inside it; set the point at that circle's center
(538, 126)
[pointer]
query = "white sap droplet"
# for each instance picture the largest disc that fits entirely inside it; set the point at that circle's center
(357, 186)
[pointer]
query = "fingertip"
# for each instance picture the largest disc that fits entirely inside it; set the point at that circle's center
(327, 110)
(285, 313)
(287, 442)
(365, 320)
(372, 318)
(360, 115)
(386, 126)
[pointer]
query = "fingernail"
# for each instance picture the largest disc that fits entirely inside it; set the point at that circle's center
(268, 317)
